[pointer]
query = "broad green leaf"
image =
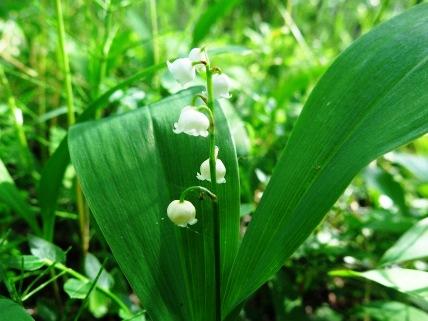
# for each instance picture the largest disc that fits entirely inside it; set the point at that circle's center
(12, 311)
(408, 281)
(45, 250)
(412, 245)
(131, 167)
(392, 311)
(53, 172)
(371, 100)
(215, 11)
(237, 128)
(10, 195)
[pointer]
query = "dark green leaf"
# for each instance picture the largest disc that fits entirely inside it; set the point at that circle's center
(383, 182)
(371, 100)
(12, 311)
(10, 195)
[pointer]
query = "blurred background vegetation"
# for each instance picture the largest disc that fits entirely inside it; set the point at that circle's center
(274, 51)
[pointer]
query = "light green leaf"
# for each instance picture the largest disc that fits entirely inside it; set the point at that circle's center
(92, 268)
(371, 100)
(416, 164)
(408, 281)
(392, 311)
(12, 311)
(24, 262)
(98, 303)
(77, 289)
(214, 12)
(45, 250)
(412, 245)
(131, 167)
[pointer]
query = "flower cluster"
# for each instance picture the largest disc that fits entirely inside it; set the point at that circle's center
(198, 121)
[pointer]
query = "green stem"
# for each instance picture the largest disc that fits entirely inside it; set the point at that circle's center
(155, 33)
(83, 213)
(216, 212)
(65, 64)
(77, 275)
(105, 50)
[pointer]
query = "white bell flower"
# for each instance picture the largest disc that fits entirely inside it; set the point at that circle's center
(196, 55)
(182, 213)
(205, 173)
(192, 122)
(221, 86)
(182, 70)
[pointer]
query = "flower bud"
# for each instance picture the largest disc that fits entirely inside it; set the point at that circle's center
(205, 173)
(182, 70)
(182, 213)
(221, 86)
(192, 122)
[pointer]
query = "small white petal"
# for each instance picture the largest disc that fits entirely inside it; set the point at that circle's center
(182, 70)
(182, 213)
(19, 117)
(196, 55)
(221, 86)
(205, 173)
(192, 122)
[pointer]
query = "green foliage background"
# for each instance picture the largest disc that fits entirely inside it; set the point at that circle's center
(275, 52)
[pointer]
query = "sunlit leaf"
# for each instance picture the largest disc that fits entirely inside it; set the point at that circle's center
(392, 311)
(412, 245)
(131, 167)
(407, 281)
(45, 250)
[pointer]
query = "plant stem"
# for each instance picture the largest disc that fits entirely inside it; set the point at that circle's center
(83, 213)
(105, 51)
(65, 64)
(216, 212)
(197, 188)
(155, 42)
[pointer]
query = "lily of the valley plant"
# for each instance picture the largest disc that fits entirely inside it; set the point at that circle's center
(200, 121)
